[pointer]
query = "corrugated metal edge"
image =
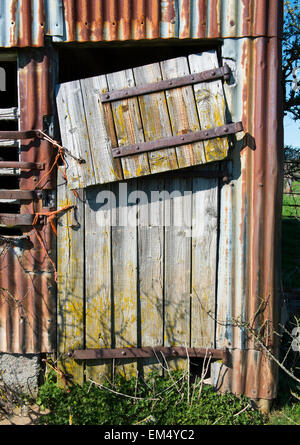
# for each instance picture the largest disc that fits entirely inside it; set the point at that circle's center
(26, 22)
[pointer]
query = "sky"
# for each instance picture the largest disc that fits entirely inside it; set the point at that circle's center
(291, 132)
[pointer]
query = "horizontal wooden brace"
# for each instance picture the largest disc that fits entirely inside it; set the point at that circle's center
(148, 352)
(22, 165)
(22, 195)
(14, 220)
(174, 141)
(214, 74)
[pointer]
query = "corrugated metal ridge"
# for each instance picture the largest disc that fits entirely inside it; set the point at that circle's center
(27, 22)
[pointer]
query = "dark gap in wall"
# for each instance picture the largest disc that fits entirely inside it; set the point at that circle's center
(79, 62)
(9, 98)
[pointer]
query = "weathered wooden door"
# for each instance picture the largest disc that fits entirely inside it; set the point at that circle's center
(137, 260)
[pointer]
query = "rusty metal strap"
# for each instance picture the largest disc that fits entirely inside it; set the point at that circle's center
(22, 195)
(214, 74)
(15, 220)
(174, 141)
(22, 165)
(148, 352)
(15, 135)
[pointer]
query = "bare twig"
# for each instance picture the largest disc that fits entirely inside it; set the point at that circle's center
(120, 393)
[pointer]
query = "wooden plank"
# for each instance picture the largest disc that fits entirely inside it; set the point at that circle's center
(183, 112)
(106, 168)
(128, 124)
(70, 286)
(155, 119)
(124, 273)
(9, 114)
(210, 103)
(177, 265)
(74, 133)
(151, 267)
(98, 276)
(204, 260)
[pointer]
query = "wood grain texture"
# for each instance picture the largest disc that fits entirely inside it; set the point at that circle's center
(106, 168)
(98, 284)
(151, 267)
(74, 134)
(155, 118)
(128, 124)
(183, 112)
(124, 272)
(204, 260)
(70, 286)
(177, 264)
(210, 102)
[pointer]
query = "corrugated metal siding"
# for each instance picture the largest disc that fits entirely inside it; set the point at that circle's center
(249, 263)
(27, 299)
(26, 22)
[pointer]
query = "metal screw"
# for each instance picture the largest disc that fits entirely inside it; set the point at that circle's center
(123, 353)
(107, 96)
(137, 148)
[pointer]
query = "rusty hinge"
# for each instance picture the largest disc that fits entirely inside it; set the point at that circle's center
(174, 141)
(204, 76)
(148, 352)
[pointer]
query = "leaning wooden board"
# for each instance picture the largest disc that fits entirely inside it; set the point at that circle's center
(91, 128)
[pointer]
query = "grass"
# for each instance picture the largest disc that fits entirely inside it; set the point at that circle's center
(286, 410)
(169, 400)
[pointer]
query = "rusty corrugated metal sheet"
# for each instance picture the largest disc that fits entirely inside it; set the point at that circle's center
(26, 22)
(249, 259)
(27, 286)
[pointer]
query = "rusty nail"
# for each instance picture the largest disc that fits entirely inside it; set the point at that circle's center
(107, 96)
(123, 353)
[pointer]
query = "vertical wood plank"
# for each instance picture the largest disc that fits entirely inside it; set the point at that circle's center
(128, 124)
(74, 134)
(204, 260)
(210, 103)
(155, 119)
(98, 276)
(106, 168)
(124, 273)
(70, 286)
(183, 112)
(177, 264)
(150, 263)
